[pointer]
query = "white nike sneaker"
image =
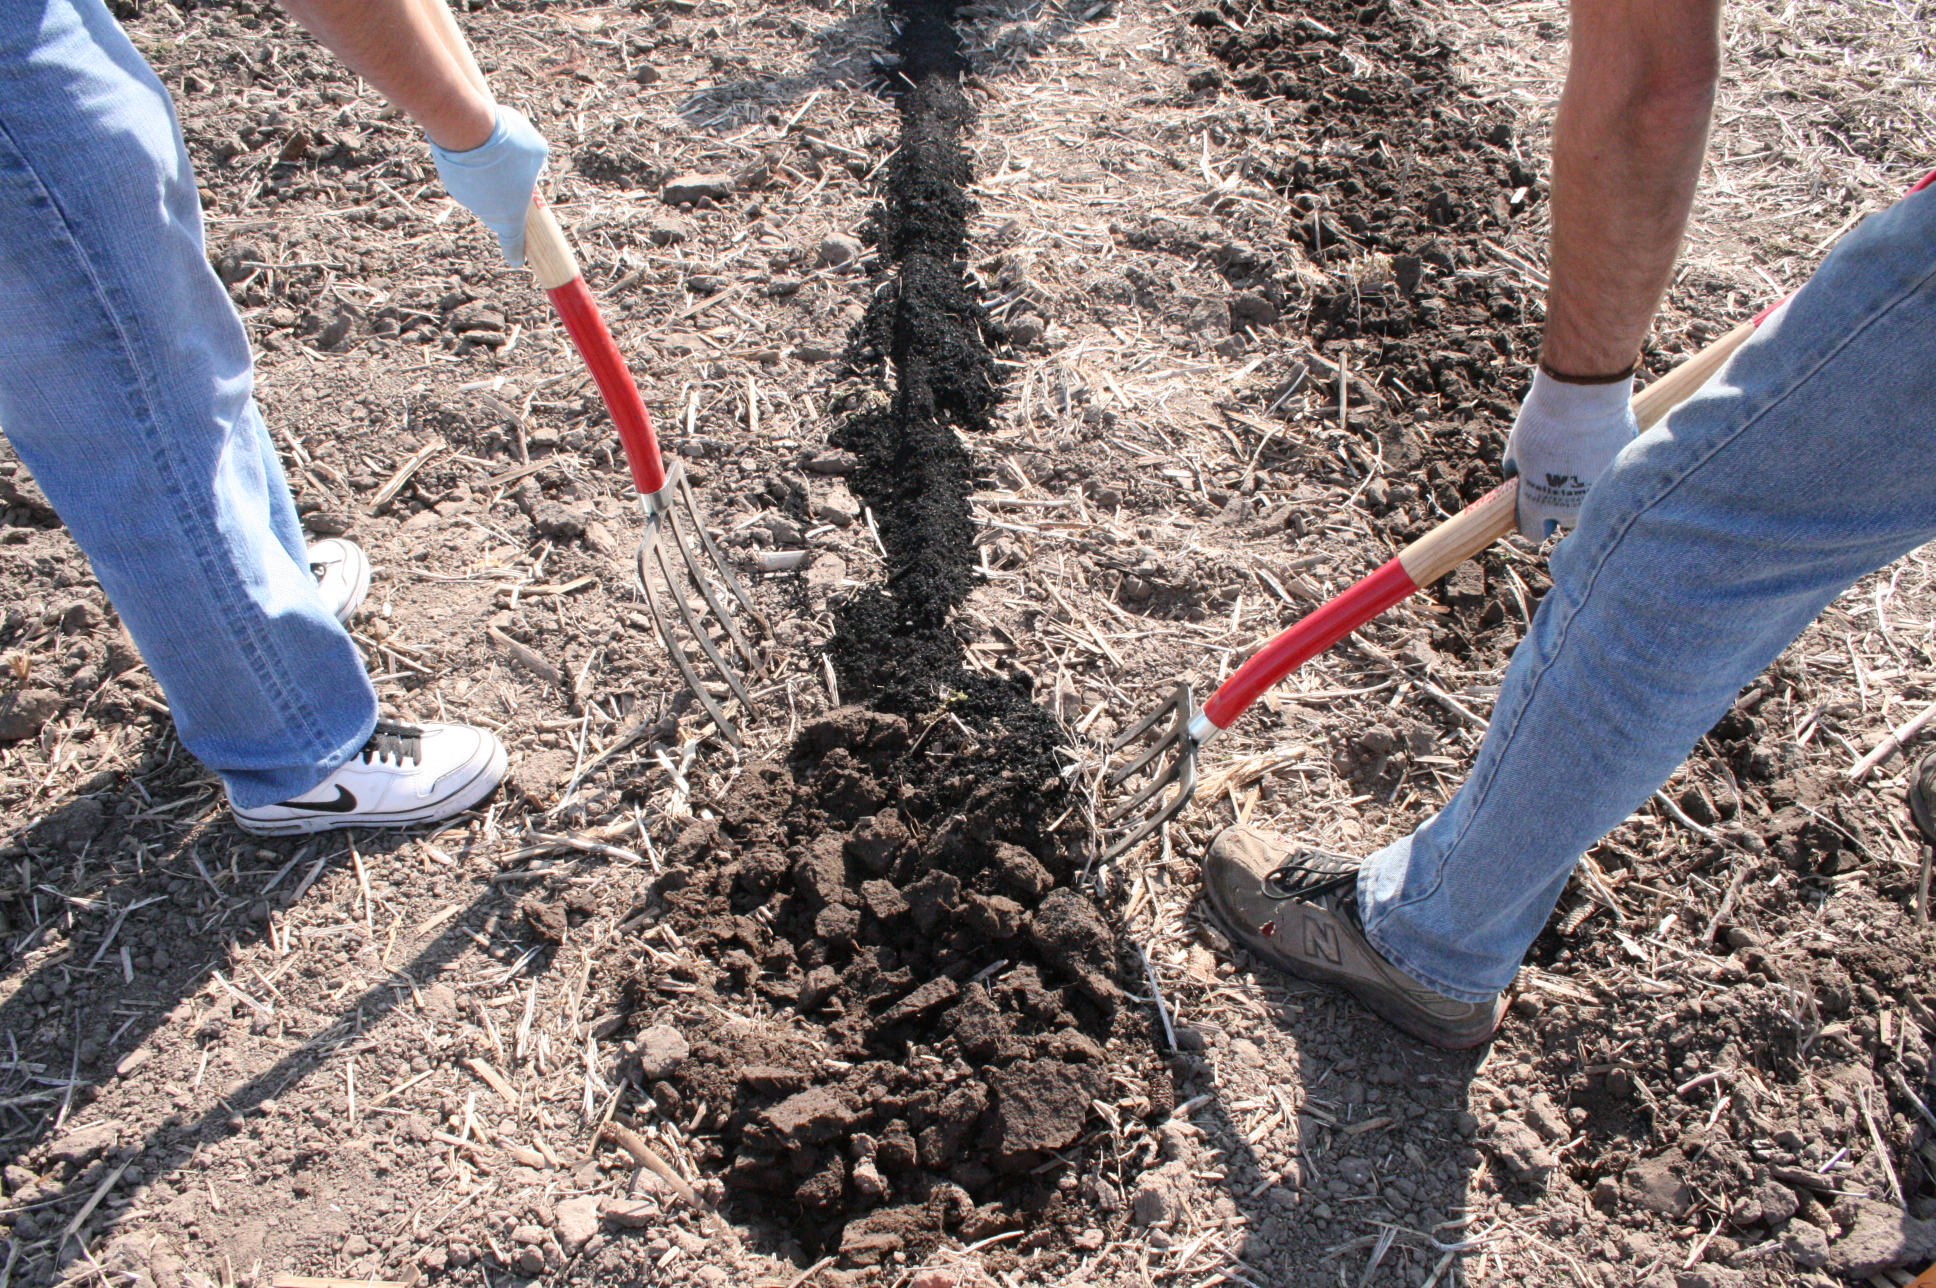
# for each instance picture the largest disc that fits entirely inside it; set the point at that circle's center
(405, 774)
(342, 575)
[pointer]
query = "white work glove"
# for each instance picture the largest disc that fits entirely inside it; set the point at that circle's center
(1564, 438)
(495, 180)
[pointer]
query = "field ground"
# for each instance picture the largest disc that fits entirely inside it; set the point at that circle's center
(1260, 285)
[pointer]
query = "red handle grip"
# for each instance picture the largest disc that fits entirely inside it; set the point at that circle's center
(579, 313)
(1295, 645)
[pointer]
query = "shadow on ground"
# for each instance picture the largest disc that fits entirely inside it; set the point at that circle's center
(136, 931)
(1313, 1131)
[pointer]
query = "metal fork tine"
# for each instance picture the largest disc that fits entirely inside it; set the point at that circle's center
(699, 578)
(1155, 824)
(656, 546)
(719, 613)
(661, 519)
(1184, 763)
(1137, 765)
(650, 546)
(1170, 810)
(1143, 794)
(1178, 775)
(720, 565)
(699, 634)
(1179, 701)
(1137, 837)
(1151, 720)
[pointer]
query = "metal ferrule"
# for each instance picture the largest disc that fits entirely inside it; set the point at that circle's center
(657, 503)
(1201, 730)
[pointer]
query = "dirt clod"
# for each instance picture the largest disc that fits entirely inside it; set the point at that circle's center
(689, 189)
(1655, 1184)
(1041, 1105)
(23, 712)
(1879, 1237)
(1520, 1149)
(660, 1050)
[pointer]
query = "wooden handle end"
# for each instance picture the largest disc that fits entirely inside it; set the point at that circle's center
(545, 247)
(1463, 535)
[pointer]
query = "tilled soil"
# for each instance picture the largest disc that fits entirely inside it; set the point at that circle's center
(911, 1013)
(1409, 185)
(913, 1009)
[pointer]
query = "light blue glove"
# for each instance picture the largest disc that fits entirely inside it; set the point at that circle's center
(495, 180)
(1563, 439)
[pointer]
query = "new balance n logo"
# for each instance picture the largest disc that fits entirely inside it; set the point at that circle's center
(1321, 940)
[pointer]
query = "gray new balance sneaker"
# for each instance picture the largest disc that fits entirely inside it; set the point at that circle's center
(1298, 910)
(1922, 797)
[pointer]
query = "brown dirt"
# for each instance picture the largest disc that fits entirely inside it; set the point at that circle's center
(904, 1002)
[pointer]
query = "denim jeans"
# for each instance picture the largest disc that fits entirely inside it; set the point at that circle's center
(125, 386)
(1710, 543)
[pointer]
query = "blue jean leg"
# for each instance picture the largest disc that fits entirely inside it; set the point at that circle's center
(126, 387)
(1713, 540)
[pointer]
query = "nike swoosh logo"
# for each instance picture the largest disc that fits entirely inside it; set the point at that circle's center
(343, 804)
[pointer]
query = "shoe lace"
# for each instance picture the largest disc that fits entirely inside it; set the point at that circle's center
(1295, 879)
(396, 742)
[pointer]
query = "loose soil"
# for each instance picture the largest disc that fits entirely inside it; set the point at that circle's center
(912, 1008)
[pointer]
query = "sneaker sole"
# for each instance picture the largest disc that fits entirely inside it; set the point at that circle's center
(1400, 1020)
(361, 591)
(474, 790)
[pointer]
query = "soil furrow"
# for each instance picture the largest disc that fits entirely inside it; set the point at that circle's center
(912, 1004)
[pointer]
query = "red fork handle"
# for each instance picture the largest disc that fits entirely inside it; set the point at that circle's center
(1317, 631)
(1433, 555)
(556, 269)
(580, 315)
(1445, 547)
(1423, 562)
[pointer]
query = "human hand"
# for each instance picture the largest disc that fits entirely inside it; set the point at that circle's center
(1563, 439)
(495, 180)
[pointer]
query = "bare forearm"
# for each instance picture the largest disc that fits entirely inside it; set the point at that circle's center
(393, 45)
(1627, 151)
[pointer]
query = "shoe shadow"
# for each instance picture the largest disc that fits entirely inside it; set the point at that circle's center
(840, 55)
(1319, 1145)
(999, 39)
(182, 1093)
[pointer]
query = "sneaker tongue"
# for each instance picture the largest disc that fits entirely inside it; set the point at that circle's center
(1313, 875)
(398, 742)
